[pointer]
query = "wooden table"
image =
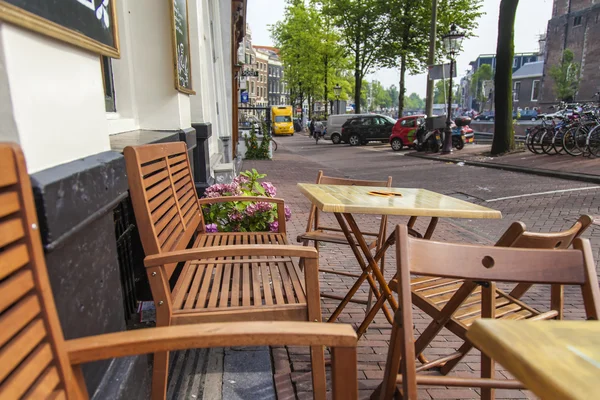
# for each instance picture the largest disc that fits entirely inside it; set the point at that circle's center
(554, 359)
(344, 201)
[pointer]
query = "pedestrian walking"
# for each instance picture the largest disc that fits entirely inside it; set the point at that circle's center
(311, 127)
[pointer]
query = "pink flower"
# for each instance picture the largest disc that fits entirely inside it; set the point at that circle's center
(274, 226)
(240, 179)
(288, 213)
(211, 228)
(269, 189)
(259, 207)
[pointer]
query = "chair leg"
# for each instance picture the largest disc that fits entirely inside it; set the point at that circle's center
(317, 359)
(487, 371)
(160, 375)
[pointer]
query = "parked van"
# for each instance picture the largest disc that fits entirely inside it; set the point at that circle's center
(281, 119)
(334, 126)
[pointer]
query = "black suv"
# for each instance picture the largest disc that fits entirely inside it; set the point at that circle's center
(361, 130)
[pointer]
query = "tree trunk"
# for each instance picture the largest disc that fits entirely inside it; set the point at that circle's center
(402, 90)
(357, 84)
(325, 86)
(504, 135)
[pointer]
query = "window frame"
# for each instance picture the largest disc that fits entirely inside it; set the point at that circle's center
(533, 89)
(516, 90)
(576, 19)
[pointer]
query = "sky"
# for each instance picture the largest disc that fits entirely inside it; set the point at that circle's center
(531, 21)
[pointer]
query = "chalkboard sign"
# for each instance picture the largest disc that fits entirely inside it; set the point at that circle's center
(182, 61)
(89, 24)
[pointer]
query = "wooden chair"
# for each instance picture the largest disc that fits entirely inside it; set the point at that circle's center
(485, 265)
(456, 304)
(36, 362)
(243, 276)
(317, 232)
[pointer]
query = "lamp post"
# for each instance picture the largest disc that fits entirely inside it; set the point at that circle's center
(337, 90)
(452, 42)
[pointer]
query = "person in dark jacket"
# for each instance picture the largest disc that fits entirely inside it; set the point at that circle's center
(311, 127)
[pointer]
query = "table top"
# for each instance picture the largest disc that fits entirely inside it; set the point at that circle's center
(412, 202)
(554, 359)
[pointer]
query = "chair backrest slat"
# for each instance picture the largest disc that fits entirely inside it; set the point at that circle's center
(517, 236)
(33, 361)
(492, 263)
(164, 197)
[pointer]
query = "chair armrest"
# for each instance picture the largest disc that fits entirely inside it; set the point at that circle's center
(225, 334)
(227, 199)
(231, 251)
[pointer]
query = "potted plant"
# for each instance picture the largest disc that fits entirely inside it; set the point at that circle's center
(243, 216)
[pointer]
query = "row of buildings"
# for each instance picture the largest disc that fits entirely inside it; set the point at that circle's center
(80, 82)
(575, 25)
(262, 84)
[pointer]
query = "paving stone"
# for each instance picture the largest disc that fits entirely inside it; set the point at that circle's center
(298, 160)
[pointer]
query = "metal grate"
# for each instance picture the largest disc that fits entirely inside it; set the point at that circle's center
(133, 275)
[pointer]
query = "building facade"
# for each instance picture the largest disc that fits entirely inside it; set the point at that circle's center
(74, 104)
(262, 66)
(275, 82)
(518, 61)
(527, 85)
(575, 25)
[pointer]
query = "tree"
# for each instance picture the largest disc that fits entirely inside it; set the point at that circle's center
(414, 102)
(484, 73)
(566, 77)
(363, 30)
(296, 40)
(409, 25)
(440, 91)
(504, 134)
(310, 52)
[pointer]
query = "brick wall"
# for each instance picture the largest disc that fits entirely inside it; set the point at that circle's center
(582, 39)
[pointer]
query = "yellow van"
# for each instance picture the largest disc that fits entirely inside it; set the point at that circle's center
(281, 119)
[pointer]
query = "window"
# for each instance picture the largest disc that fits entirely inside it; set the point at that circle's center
(109, 84)
(535, 90)
(409, 123)
(516, 91)
(577, 21)
(515, 62)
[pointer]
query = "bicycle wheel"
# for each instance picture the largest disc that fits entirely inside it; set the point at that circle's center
(593, 141)
(530, 133)
(546, 142)
(557, 143)
(535, 142)
(274, 145)
(570, 143)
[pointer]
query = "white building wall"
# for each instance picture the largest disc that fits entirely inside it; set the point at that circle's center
(57, 98)
(52, 95)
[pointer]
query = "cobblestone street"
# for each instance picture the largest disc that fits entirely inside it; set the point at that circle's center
(544, 204)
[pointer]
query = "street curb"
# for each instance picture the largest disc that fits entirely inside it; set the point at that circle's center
(532, 171)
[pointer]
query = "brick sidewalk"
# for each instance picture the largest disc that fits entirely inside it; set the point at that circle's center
(292, 376)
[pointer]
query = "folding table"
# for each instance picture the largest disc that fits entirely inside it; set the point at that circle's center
(344, 201)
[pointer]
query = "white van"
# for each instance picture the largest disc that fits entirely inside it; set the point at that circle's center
(334, 126)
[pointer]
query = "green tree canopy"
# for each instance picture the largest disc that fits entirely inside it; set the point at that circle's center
(409, 25)
(566, 76)
(362, 29)
(414, 102)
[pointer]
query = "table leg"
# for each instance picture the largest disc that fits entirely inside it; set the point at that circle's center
(381, 300)
(365, 274)
(372, 263)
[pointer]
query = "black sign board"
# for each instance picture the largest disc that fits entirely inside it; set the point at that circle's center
(90, 24)
(181, 46)
(249, 72)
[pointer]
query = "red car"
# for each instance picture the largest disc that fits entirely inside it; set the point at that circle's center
(405, 130)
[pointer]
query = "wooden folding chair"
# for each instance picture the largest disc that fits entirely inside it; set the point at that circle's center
(317, 232)
(482, 267)
(36, 362)
(456, 304)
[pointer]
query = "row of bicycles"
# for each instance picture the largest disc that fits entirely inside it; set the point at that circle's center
(577, 134)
